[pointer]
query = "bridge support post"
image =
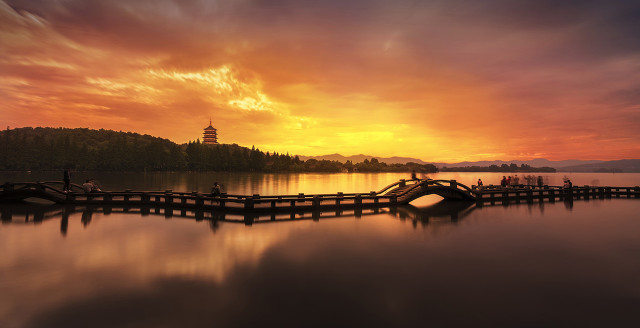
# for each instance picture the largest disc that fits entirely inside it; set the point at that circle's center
(248, 203)
(145, 198)
(199, 201)
(168, 198)
(339, 198)
(316, 201)
(358, 200)
(636, 190)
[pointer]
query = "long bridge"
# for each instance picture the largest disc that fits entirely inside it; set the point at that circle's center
(399, 193)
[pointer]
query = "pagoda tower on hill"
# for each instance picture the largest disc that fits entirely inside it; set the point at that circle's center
(210, 135)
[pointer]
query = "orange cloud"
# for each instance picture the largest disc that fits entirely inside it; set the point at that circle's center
(428, 80)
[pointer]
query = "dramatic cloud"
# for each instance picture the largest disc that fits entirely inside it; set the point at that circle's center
(439, 80)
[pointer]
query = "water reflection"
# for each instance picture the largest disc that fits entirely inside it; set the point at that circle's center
(495, 263)
(443, 212)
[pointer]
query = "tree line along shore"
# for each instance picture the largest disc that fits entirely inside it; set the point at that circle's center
(87, 150)
(83, 149)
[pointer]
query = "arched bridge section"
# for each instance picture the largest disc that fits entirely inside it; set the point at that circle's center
(51, 190)
(447, 189)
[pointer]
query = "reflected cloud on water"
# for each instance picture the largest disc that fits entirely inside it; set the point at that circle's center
(358, 268)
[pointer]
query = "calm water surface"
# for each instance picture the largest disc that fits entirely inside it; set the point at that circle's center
(431, 264)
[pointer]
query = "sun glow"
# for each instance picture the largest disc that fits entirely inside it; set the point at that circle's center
(429, 88)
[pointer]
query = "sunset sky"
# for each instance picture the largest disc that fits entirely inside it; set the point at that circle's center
(442, 80)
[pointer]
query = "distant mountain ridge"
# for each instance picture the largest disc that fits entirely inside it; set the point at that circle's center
(618, 166)
(359, 158)
(574, 165)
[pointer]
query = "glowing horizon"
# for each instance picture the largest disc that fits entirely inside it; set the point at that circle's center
(442, 81)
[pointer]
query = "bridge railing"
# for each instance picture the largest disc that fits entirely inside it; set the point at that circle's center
(194, 199)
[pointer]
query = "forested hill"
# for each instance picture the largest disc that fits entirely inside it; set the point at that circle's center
(86, 149)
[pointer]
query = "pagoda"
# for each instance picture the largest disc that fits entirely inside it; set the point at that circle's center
(210, 135)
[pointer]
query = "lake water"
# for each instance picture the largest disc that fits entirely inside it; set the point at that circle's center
(432, 263)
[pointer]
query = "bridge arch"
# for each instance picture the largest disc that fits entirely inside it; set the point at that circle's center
(447, 189)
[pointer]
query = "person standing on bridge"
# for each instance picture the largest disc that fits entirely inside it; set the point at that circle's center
(479, 183)
(67, 180)
(413, 175)
(503, 182)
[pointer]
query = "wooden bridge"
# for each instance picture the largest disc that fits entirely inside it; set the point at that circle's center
(524, 193)
(398, 193)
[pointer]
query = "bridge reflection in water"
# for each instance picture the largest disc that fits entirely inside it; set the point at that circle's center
(444, 212)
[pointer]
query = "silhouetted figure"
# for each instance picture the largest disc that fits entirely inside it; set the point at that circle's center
(413, 175)
(67, 181)
(509, 181)
(503, 182)
(87, 186)
(90, 186)
(540, 181)
(215, 191)
(479, 182)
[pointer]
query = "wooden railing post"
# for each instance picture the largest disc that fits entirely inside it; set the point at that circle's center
(403, 183)
(168, 198)
(316, 201)
(127, 196)
(248, 203)
(358, 200)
